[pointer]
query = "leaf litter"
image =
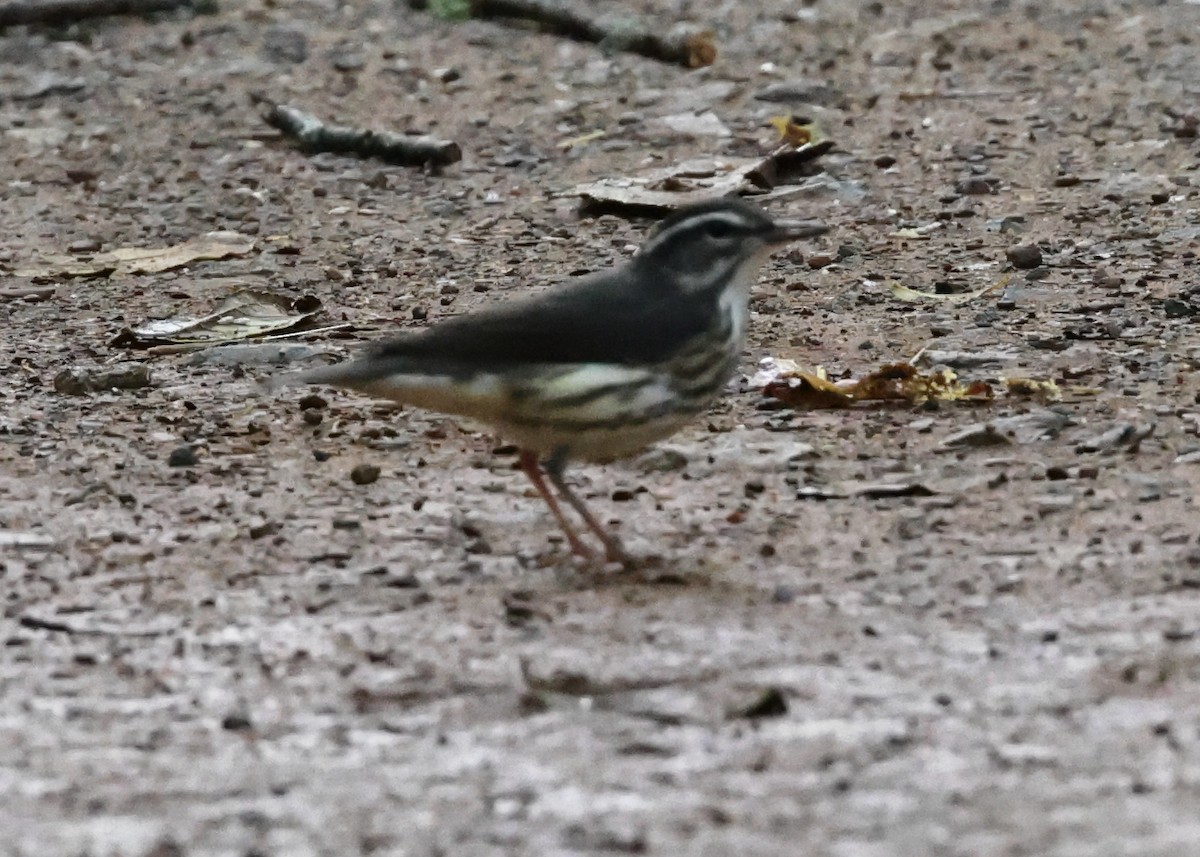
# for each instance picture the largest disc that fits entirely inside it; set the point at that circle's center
(246, 314)
(141, 260)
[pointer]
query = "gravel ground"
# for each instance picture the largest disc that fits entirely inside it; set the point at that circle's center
(216, 642)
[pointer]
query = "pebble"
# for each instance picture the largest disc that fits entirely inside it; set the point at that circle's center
(364, 474)
(268, 354)
(662, 460)
(819, 260)
(84, 245)
(81, 380)
(284, 45)
(976, 186)
(885, 161)
(820, 94)
(183, 456)
(1024, 256)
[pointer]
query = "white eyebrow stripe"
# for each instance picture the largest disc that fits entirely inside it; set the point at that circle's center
(696, 221)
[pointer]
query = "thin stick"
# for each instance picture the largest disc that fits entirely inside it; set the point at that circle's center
(313, 135)
(684, 44)
(60, 12)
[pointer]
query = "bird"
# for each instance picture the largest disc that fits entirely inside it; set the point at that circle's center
(596, 369)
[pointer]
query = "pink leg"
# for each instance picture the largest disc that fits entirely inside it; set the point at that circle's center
(533, 469)
(613, 549)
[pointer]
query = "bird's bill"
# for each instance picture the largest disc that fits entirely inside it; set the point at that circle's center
(793, 230)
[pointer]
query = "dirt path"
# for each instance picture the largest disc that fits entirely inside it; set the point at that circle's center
(251, 654)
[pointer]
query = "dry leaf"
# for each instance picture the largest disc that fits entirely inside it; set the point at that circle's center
(794, 132)
(919, 233)
(786, 381)
(242, 315)
(668, 188)
(1042, 390)
(904, 293)
(572, 142)
(137, 260)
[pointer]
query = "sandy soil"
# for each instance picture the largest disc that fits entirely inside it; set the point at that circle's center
(252, 654)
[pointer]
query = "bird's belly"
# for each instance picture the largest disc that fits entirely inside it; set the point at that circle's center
(600, 444)
(596, 412)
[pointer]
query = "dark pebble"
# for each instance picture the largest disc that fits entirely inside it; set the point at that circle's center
(364, 474)
(284, 45)
(770, 703)
(183, 456)
(313, 402)
(783, 594)
(1160, 198)
(819, 260)
(321, 455)
(976, 186)
(1024, 256)
(885, 161)
(235, 722)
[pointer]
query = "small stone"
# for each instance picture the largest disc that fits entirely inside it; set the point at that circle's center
(312, 416)
(1160, 198)
(183, 456)
(81, 380)
(364, 474)
(885, 161)
(820, 94)
(1024, 256)
(819, 260)
(284, 45)
(84, 245)
(783, 594)
(663, 460)
(266, 528)
(313, 402)
(976, 186)
(770, 703)
(235, 722)
(447, 75)
(347, 59)
(400, 580)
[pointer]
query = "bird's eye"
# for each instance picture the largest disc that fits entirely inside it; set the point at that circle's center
(719, 229)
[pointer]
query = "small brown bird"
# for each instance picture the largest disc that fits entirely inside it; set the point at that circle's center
(597, 369)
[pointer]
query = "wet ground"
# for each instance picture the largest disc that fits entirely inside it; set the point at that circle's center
(216, 642)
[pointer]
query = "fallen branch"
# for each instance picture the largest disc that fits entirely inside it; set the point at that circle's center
(313, 135)
(33, 293)
(684, 44)
(61, 12)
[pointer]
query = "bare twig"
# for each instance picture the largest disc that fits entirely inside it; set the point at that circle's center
(313, 135)
(33, 293)
(59, 12)
(684, 44)
(37, 623)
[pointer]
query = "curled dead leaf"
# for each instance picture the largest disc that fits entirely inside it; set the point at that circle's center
(786, 381)
(242, 315)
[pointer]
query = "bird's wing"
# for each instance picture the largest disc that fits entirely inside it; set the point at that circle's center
(595, 320)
